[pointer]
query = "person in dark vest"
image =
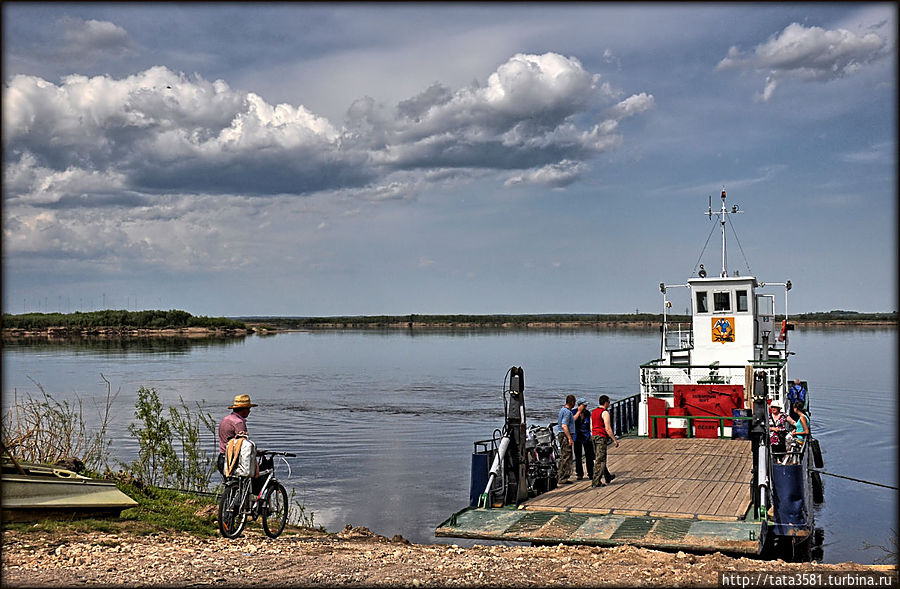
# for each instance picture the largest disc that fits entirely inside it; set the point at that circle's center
(582, 437)
(601, 435)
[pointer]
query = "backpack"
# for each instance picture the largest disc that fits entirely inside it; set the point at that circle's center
(240, 457)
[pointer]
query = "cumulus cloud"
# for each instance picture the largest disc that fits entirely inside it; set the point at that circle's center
(86, 39)
(159, 131)
(806, 53)
(131, 143)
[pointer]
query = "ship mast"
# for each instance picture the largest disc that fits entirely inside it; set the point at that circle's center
(722, 215)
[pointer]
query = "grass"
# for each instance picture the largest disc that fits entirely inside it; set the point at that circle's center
(163, 509)
(159, 511)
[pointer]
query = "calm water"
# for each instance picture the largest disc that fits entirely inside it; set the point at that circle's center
(383, 422)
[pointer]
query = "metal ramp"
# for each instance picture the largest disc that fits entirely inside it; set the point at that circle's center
(691, 494)
(545, 527)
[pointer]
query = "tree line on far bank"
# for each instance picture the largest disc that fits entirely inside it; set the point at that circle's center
(498, 321)
(172, 319)
(451, 320)
(175, 319)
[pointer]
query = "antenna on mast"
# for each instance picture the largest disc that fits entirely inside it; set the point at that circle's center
(722, 216)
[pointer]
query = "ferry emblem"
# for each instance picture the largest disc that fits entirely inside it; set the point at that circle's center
(723, 329)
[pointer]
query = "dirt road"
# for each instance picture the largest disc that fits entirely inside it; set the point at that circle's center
(355, 556)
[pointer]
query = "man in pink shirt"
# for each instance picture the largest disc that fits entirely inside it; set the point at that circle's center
(232, 424)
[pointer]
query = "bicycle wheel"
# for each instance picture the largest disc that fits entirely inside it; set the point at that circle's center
(274, 514)
(232, 516)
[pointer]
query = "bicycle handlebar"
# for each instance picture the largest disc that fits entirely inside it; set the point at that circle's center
(276, 453)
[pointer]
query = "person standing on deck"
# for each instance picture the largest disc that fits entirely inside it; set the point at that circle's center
(582, 439)
(566, 422)
(601, 432)
(232, 424)
(796, 392)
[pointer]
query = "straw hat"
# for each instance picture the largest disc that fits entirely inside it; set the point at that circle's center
(242, 402)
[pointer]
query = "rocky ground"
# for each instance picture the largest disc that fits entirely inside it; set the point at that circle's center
(355, 556)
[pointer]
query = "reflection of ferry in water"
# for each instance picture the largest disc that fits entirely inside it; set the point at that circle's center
(696, 469)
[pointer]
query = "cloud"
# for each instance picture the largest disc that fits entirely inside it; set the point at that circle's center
(87, 39)
(806, 53)
(159, 131)
(133, 147)
(557, 175)
(879, 153)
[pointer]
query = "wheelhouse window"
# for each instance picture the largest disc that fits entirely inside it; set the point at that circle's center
(721, 301)
(702, 305)
(742, 301)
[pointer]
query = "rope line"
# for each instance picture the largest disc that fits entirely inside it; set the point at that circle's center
(853, 479)
(746, 261)
(703, 250)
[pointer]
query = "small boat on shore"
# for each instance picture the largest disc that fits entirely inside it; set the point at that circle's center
(36, 491)
(697, 468)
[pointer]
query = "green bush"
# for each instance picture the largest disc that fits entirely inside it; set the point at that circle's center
(117, 319)
(170, 448)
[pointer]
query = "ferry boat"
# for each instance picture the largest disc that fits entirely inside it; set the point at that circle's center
(696, 468)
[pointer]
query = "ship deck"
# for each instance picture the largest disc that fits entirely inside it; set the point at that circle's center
(668, 493)
(666, 477)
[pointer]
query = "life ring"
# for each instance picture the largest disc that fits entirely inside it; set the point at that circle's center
(783, 329)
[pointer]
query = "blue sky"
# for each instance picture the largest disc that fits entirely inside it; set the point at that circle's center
(328, 159)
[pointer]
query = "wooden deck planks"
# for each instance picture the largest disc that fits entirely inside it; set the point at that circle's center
(698, 477)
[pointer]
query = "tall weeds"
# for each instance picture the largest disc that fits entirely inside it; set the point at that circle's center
(43, 429)
(170, 448)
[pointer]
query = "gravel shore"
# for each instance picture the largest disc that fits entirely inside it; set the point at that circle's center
(358, 557)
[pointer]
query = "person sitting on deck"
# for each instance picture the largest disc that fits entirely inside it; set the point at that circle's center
(777, 428)
(797, 438)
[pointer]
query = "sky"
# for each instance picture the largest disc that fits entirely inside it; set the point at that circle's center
(364, 159)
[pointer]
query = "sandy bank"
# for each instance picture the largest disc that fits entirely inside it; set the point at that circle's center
(357, 557)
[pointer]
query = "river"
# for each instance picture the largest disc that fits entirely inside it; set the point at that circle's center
(383, 422)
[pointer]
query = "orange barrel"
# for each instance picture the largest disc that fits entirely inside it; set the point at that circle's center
(677, 427)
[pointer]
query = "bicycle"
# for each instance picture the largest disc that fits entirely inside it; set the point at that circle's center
(235, 504)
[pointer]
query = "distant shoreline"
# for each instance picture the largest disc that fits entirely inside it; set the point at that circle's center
(53, 333)
(272, 328)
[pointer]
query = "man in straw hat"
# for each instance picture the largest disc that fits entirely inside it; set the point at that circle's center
(232, 424)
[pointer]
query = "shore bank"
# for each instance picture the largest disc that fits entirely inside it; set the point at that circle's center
(263, 329)
(355, 556)
(67, 333)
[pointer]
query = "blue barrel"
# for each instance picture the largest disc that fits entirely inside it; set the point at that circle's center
(480, 474)
(740, 428)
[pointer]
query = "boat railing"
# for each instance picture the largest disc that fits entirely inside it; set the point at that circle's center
(690, 425)
(659, 379)
(788, 457)
(624, 414)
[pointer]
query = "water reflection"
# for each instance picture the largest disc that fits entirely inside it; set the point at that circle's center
(383, 421)
(118, 345)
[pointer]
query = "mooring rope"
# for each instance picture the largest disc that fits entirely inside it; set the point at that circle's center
(831, 474)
